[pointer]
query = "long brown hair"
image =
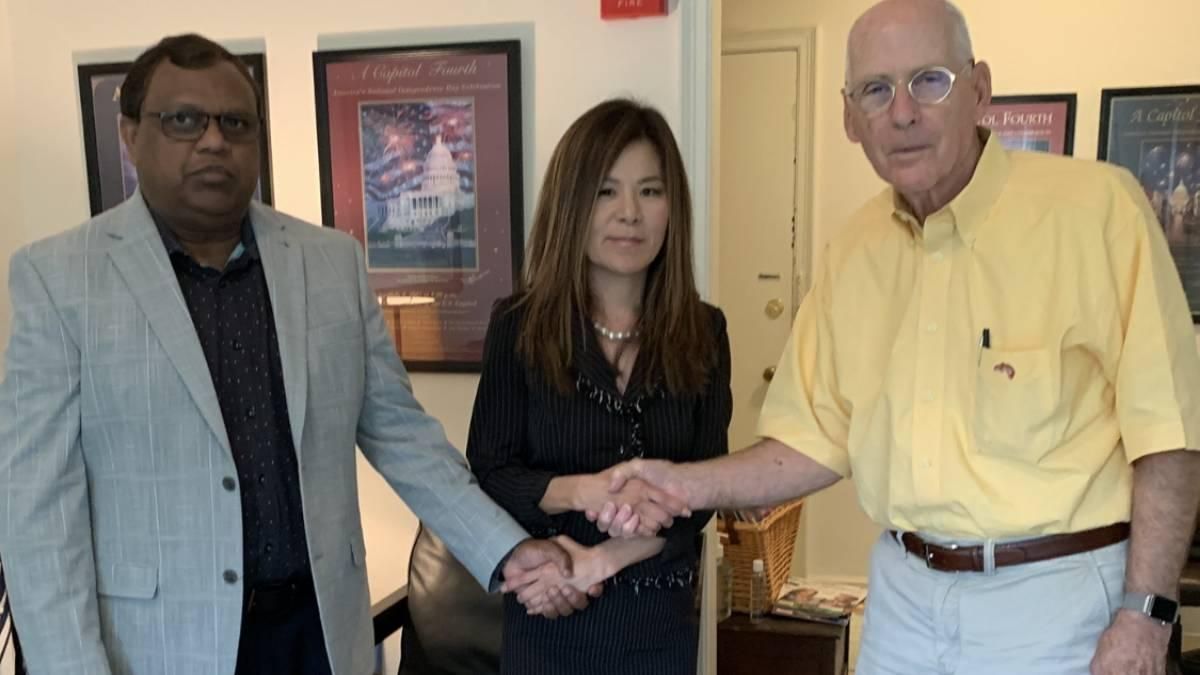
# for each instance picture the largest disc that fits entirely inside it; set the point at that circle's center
(676, 334)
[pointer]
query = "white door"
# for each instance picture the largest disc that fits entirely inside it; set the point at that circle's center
(757, 221)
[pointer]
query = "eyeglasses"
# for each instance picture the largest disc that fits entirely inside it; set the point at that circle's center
(190, 125)
(929, 86)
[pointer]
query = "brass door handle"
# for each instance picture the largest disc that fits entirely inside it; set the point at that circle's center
(769, 373)
(774, 308)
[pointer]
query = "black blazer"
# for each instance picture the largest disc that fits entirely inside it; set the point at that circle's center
(524, 433)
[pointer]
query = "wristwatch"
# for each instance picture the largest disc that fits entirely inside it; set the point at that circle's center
(1163, 610)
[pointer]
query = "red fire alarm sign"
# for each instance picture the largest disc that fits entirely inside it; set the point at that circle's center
(632, 9)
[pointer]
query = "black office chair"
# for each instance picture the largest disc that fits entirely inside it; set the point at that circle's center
(453, 626)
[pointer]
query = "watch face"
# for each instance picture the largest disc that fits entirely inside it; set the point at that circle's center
(1163, 609)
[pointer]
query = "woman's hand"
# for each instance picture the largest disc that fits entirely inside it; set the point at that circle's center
(539, 588)
(646, 508)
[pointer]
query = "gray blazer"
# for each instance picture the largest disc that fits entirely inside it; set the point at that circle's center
(123, 550)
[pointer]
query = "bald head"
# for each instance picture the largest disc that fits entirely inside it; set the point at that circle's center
(925, 147)
(939, 17)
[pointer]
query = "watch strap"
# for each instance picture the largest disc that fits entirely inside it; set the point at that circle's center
(1154, 606)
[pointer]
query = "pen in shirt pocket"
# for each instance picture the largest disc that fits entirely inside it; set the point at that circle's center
(985, 342)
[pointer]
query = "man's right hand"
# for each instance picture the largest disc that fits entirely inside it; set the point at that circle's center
(533, 557)
(667, 493)
(652, 508)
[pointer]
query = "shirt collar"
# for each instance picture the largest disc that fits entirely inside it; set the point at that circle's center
(969, 210)
(247, 246)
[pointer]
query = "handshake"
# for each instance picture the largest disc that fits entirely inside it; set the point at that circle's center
(631, 502)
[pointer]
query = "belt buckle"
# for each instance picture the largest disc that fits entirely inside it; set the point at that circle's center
(929, 553)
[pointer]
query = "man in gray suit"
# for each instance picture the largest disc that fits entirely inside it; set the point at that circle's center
(187, 379)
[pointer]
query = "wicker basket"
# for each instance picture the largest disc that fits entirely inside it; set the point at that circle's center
(772, 540)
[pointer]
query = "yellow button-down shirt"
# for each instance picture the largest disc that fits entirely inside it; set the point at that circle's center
(1089, 360)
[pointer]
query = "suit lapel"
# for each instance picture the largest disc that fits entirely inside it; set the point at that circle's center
(142, 261)
(283, 264)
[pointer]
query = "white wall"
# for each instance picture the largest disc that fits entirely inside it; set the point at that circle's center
(8, 191)
(1033, 46)
(9, 232)
(579, 60)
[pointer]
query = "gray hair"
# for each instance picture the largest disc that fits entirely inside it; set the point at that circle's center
(962, 51)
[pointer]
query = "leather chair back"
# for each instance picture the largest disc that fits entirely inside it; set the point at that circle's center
(456, 626)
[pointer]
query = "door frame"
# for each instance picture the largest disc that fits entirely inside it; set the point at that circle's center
(803, 42)
(703, 43)
(700, 34)
(699, 73)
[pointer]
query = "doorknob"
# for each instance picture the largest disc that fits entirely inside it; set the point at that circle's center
(769, 373)
(774, 308)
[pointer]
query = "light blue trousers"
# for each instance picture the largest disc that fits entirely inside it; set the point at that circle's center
(1032, 619)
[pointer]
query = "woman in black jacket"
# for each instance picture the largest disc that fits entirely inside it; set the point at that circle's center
(605, 354)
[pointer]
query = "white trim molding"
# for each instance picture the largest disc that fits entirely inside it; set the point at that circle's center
(696, 25)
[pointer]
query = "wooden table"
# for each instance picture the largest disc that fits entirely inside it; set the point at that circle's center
(779, 646)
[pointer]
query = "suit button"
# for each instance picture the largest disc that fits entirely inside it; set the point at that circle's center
(250, 413)
(230, 577)
(229, 484)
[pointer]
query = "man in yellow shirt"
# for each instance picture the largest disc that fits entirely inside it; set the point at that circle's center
(999, 350)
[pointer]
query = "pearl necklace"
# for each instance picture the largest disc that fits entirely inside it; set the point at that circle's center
(615, 335)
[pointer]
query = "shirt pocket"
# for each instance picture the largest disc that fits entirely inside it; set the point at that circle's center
(1017, 397)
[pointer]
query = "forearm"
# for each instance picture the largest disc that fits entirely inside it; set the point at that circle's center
(562, 495)
(763, 474)
(1166, 487)
(621, 553)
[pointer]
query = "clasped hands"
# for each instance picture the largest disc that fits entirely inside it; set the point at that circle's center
(624, 503)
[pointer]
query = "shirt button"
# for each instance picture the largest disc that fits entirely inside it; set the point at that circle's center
(927, 397)
(229, 484)
(931, 327)
(230, 577)
(268, 548)
(938, 256)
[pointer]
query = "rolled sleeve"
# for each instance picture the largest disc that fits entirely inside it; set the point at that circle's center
(1157, 376)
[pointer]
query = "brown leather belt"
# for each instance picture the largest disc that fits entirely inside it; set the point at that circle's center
(953, 558)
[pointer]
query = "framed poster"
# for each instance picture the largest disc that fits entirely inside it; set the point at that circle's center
(1040, 122)
(1155, 133)
(420, 154)
(111, 176)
